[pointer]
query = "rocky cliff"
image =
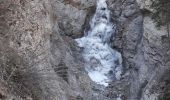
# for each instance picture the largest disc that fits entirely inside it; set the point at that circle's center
(37, 57)
(145, 50)
(40, 60)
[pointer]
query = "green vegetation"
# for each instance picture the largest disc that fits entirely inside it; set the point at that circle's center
(161, 14)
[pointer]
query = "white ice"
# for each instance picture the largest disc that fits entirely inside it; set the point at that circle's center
(100, 58)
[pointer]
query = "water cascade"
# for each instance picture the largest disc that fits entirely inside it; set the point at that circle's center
(102, 63)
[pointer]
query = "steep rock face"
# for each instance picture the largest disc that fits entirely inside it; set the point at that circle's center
(39, 59)
(146, 61)
(154, 65)
(36, 62)
(24, 24)
(129, 19)
(71, 15)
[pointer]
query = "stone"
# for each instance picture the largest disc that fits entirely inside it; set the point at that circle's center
(39, 59)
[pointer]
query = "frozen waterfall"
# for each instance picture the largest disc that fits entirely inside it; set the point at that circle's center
(103, 64)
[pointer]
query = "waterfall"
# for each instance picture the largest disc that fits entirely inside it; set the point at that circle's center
(102, 63)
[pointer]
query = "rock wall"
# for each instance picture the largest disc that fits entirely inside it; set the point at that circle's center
(39, 59)
(146, 61)
(155, 65)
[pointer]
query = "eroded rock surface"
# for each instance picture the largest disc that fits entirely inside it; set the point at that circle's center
(36, 61)
(39, 59)
(146, 61)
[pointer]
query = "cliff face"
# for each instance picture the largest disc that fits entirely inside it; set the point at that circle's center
(145, 50)
(36, 60)
(39, 59)
(155, 66)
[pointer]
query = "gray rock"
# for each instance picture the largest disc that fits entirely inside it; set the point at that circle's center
(39, 59)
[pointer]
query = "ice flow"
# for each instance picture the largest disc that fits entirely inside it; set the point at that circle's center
(102, 63)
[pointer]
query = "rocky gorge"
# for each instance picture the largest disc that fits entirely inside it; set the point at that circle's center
(40, 59)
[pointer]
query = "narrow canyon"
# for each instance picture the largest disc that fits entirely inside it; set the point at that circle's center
(83, 50)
